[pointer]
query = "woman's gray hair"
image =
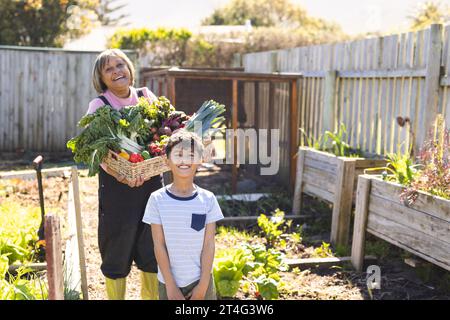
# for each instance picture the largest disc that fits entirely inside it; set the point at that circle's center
(102, 60)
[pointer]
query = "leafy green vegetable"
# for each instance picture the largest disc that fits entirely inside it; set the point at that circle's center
(208, 116)
(98, 136)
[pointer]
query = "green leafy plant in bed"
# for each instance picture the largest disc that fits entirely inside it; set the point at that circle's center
(333, 142)
(434, 159)
(432, 172)
(18, 233)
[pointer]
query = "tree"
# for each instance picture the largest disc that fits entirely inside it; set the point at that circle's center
(428, 13)
(105, 11)
(266, 13)
(45, 23)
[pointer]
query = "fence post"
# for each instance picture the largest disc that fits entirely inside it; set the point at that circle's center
(329, 101)
(296, 206)
(429, 110)
(359, 228)
(53, 255)
(343, 196)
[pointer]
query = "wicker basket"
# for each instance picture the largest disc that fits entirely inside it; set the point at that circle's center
(146, 169)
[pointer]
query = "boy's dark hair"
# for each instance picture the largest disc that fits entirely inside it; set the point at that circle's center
(185, 136)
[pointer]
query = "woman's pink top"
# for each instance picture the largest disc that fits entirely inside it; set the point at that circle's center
(118, 103)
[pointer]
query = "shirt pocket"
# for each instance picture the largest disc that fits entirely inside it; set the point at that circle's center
(198, 221)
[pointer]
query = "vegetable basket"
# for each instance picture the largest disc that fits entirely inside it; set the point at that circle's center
(147, 168)
(150, 167)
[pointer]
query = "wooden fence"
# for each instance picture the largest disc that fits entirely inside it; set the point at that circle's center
(365, 84)
(43, 94)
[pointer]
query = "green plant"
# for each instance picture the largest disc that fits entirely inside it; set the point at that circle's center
(18, 236)
(19, 288)
(434, 158)
(315, 143)
(259, 266)
(401, 167)
(272, 227)
(229, 267)
(324, 251)
(332, 142)
(339, 146)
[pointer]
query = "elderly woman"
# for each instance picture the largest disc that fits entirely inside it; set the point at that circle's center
(122, 236)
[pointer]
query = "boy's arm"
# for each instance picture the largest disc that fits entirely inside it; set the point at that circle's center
(162, 258)
(207, 259)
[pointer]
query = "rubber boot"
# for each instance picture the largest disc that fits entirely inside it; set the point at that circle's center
(115, 288)
(149, 286)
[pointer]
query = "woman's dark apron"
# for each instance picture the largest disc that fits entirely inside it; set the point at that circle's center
(122, 236)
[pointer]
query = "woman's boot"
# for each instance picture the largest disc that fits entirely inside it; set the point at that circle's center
(115, 288)
(149, 286)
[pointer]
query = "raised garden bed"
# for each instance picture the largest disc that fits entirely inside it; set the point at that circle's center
(333, 179)
(421, 228)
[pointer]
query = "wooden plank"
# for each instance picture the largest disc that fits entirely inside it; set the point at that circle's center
(418, 243)
(411, 218)
(342, 206)
(228, 220)
(322, 156)
(79, 231)
(318, 192)
(369, 163)
(328, 114)
(307, 263)
(383, 73)
(359, 227)
(53, 256)
(320, 165)
(31, 174)
(296, 206)
(319, 179)
(434, 206)
(38, 266)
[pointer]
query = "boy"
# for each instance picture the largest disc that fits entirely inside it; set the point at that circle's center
(182, 217)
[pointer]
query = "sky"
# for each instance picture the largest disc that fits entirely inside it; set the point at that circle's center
(355, 16)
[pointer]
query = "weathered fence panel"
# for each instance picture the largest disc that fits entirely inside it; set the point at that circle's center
(376, 80)
(43, 94)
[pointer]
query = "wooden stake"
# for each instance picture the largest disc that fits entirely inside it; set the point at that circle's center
(79, 225)
(53, 255)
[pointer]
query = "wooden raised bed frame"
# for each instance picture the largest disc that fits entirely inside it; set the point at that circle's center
(422, 228)
(333, 179)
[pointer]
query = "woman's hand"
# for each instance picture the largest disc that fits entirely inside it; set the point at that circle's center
(174, 293)
(131, 183)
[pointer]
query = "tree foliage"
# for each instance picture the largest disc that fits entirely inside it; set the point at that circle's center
(428, 13)
(45, 23)
(267, 13)
(106, 10)
(166, 46)
(277, 24)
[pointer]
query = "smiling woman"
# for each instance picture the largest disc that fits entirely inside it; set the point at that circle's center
(123, 237)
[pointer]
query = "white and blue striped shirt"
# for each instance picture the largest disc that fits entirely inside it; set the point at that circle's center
(183, 220)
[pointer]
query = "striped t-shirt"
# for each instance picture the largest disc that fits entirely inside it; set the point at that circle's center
(183, 220)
